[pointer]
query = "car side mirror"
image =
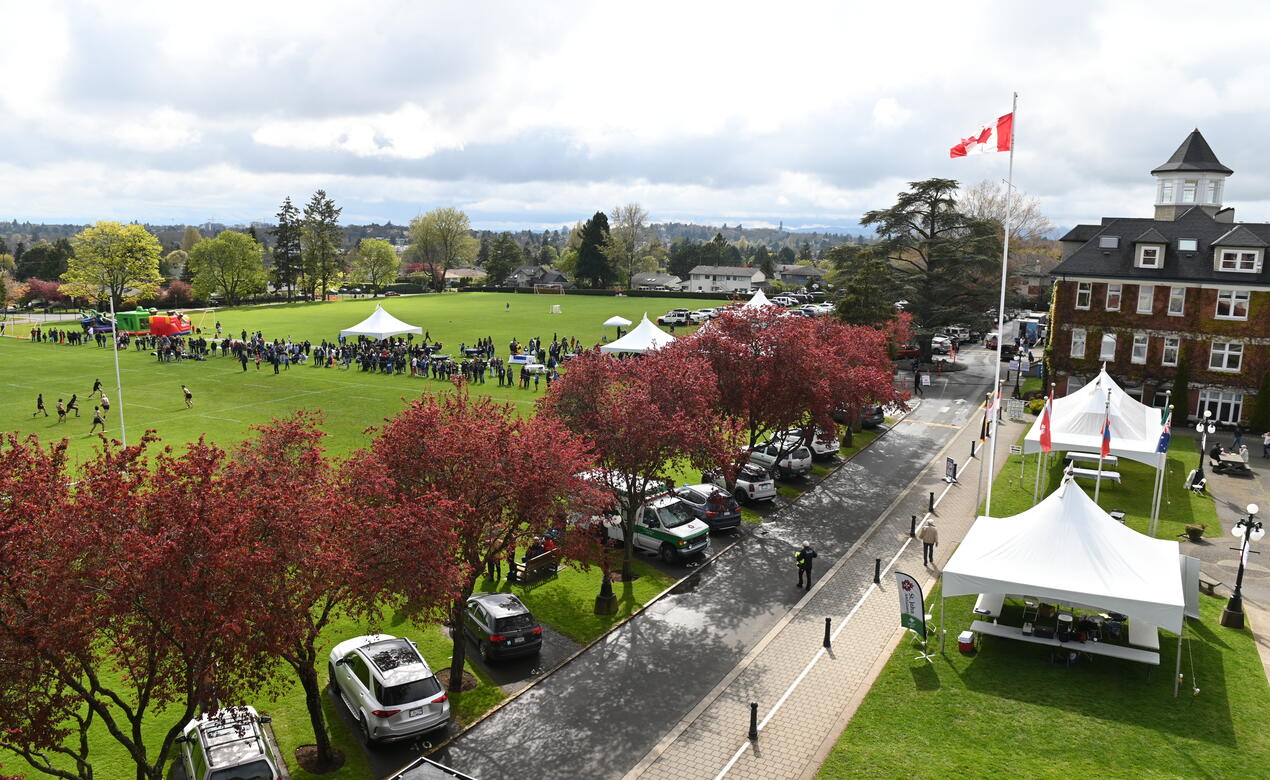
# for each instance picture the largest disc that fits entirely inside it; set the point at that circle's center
(265, 719)
(341, 661)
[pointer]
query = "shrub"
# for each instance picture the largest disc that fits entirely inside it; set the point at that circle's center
(1036, 405)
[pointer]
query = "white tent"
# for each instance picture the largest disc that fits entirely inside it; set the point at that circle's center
(1076, 423)
(1067, 550)
(616, 322)
(758, 301)
(380, 325)
(644, 337)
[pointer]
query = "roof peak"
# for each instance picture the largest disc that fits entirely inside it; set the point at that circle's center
(1193, 155)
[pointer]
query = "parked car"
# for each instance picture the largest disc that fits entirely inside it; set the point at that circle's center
(753, 483)
(708, 312)
(823, 445)
(907, 351)
(391, 294)
(501, 626)
(388, 687)
(663, 525)
(782, 460)
(227, 744)
(873, 416)
(713, 505)
(675, 317)
(990, 341)
(940, 344)
(784, 300)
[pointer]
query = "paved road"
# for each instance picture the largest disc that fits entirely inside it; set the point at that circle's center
(599, 715)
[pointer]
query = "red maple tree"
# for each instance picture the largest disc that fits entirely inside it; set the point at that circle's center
(504, 478)
(641, 416)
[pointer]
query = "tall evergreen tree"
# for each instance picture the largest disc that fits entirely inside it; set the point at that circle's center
(504, 257)
(685, 254)
(763, 259)
(320, 239)
(593, 266)
(287, 247)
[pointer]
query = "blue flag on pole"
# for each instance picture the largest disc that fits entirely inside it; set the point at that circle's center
(1165, 435)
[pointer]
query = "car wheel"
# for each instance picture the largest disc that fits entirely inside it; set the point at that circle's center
(483, 649)
(668, 553)
(365, 730)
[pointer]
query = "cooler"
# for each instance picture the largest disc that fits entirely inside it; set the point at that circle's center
(966, 641)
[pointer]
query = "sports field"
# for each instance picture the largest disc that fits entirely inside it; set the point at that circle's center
(227, 401)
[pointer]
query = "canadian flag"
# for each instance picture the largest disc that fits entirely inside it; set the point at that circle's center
(995, 137)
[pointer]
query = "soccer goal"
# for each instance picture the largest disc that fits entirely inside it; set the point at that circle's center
(549, 289)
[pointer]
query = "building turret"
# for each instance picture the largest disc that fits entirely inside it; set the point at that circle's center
(1192, 178)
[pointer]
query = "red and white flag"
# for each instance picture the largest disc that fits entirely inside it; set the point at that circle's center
(994, 137)
(1046, 441)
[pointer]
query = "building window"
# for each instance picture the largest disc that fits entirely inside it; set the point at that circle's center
(1177, 301)
(1212, 192)
(1113, 296)
(1187, 245)
(1172, 346)
(1226, 356)
(1108, 351)
(1149, 257)
(1160, 399)
(1078, 342)
(1166, 192)
(1246, 260)
(1188, 190)
(1146, 298)
(1225, 406)
(1084, 294)
(1109, 242)
(1232, 305)
(1139, 355)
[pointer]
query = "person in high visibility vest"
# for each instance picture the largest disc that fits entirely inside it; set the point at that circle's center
(803, 559)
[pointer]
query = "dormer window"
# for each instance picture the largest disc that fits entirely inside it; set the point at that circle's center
(1150, 256)
(1187, 245)
(1241, 260)
(1166, 191)
(1109, 242)
(1189, 188)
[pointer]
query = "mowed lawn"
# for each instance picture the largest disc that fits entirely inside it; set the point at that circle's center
(228, 402)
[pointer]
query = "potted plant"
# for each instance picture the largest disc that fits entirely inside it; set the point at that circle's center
(1194, 532)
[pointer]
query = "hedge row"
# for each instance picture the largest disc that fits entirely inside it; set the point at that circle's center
(716, 296)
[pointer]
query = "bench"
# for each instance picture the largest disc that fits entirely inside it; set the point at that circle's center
(1208, 584)
(1091, 648)
(1093, 457)
(1114, 476)
(541, 565)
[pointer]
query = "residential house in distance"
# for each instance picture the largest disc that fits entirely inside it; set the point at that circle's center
(1188, 284)
(656, 281)
(724, 278)
(800, 275)
(454, 276)
(529, 275)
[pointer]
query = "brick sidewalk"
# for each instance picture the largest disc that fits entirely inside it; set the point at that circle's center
(806, 694)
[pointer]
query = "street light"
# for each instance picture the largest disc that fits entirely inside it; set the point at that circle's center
(1247, 531)
(1204, 427)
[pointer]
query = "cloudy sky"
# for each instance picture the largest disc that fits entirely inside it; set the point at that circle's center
(538, 113)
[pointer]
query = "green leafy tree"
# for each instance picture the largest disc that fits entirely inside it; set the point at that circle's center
(568, 262)
(547, 255)
(174, 263)
(376, 263)
(593, 267)
(685, 254)
(804, 253)
(1260, 419)
(287, 248)
(112, 260)
(864, 299)
(442, 238)
(320, 240)
(622, 246)
(190, 238)
(763, 259)
(229, 265)
(504, 257)
(786, 256)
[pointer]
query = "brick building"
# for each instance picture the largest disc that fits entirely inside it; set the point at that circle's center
(1188, 285)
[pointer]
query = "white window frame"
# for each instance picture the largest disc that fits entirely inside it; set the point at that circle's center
(1107, 344)
(1109, 242)
(1237, 259)
(1085, 289)
(1116, 290)
(1226, 406)
(1146, 295)
(1172, 350)
(1177, 295)
(1225, 351)
(1140, 344)
(1157, 259)
(1078, 337)
(1187, 245)
(1190, 190)
(1211, 195)
(1166, 191)
(1232, 299)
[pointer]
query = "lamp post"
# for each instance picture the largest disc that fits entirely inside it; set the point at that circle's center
(1247, 531)
(1204, 427)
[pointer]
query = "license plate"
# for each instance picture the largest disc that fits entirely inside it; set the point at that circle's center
(517, 640)
(416, 712)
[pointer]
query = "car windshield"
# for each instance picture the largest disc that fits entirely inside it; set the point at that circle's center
(514, 622)
(674, 515)
(256, 770)
(409, 692)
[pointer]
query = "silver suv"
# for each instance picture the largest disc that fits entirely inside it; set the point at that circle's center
(228, 745)
(388, 687)
(785, 460)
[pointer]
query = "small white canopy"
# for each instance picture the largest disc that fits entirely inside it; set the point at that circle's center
(644, 337)
(1077, 418)
(1067, 550)
(758, 301)
(616, 322)
(380, 325)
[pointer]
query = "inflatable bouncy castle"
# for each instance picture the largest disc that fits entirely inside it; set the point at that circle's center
(96, 322)
(172, 324)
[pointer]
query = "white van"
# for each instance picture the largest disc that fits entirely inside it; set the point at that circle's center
(664, 525)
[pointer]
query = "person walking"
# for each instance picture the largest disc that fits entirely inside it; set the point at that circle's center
(189, 397)
(39, 406)
(917, 383)
(73, 404)
(1239, 437)
(803, 559)
(930, 540)
(98, 419)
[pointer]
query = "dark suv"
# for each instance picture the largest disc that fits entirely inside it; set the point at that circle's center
(719, 510)
(501, 626)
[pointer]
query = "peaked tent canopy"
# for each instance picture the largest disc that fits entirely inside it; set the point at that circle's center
(380, 325)
(1076, 423)
(644, 337)
(1067, 550)
(758, 301)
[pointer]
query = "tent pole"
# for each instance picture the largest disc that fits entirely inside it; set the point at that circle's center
(1036, 489)
(1155, 502)
(1177, 675)
(943, 629)
(1106, 421)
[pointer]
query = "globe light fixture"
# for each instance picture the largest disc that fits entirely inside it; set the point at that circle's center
(1247, 530)
(1204, 427)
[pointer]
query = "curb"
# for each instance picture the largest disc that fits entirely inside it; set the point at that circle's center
(672, 587)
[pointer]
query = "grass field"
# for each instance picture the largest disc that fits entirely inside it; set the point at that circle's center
(228, 402)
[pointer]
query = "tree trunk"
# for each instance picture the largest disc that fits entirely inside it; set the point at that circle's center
(317, 718)
(458, 656)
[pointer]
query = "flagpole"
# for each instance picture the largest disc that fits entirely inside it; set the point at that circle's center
(114, 343)
(1161, 469)
(1005, 255)
(1106, 431)
(1044, 456)
(983, 438)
